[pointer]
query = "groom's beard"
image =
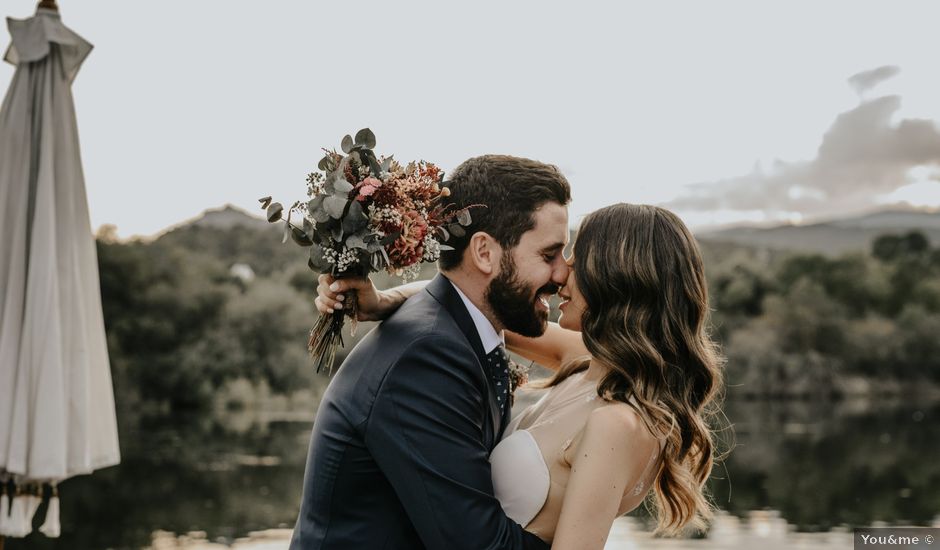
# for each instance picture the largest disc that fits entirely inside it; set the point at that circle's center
(515, 304)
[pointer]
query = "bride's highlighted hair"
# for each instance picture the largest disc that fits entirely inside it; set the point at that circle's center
(641, 274)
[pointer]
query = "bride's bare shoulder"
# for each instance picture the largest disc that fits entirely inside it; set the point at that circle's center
(616, 446)
(620, 422)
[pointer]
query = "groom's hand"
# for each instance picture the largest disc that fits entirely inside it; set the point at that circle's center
(331, 294)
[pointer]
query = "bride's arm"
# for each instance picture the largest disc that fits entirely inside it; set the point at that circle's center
(611, 457)
(551, 350)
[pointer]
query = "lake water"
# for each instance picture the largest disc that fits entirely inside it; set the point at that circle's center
(800, 475)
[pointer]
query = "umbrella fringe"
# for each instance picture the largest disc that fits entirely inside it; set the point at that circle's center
(18, 507)
(4, 510)
(19, 525)
(31, 503)
(16, 521)
(51, 526)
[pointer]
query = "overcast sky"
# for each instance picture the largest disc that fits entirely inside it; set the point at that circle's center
(724, 111)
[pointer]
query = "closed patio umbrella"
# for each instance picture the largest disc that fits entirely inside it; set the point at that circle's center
(57, 416)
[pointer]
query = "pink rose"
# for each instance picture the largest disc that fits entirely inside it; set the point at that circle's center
(367, 187)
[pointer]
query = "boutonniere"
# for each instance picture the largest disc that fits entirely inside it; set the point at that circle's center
(518, 376)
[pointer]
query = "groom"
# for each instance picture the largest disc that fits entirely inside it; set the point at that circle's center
(399, 453)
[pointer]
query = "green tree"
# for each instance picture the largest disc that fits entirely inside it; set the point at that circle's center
(889, 248)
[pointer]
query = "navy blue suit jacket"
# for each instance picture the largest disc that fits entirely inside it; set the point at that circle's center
(399, 452)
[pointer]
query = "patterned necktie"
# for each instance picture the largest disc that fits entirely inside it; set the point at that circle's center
(498, 363)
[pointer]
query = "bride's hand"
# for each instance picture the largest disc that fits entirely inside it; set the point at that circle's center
(370, 305)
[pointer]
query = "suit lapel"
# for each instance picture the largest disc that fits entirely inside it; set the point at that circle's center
(443, 291)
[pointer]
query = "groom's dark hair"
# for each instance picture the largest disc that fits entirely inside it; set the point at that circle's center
(510, 190)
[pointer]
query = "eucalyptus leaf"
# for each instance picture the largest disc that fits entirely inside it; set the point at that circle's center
(324, 163)
(446, 247)
(376, 261)
(387, 163)
(342, 187)
(310, 230)
(347, 144)
(365, 138)
(320, 214)
(334, 206)
(456, 230)
(445, 234)
(265, 202)
(300, 236)
(355, 241)
(336, 175)
(355, 219)
(337, 233)
(315, 203)
(286, 232)
(374, 166)
(463, 217)
(274, 212)
(317, 262)
(317, 210)
(331, 179)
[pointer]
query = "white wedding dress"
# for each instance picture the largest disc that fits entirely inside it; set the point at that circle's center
(531, 465)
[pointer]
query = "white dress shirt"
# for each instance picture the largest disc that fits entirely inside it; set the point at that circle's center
(488, 335)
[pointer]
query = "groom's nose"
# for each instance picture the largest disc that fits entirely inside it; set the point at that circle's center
(560, 271)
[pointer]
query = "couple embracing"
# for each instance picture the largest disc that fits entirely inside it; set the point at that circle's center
(413, 445)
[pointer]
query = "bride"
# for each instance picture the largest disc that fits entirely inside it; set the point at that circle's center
(636, 379)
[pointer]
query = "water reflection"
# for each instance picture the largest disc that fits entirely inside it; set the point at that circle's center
(269, 539)
(764, 530)
(812, 471)
(829, 464)
(192, 474)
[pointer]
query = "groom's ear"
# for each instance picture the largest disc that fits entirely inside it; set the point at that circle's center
(484, 253)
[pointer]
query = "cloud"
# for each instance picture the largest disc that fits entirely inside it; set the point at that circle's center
(866, 80)
(863, 156)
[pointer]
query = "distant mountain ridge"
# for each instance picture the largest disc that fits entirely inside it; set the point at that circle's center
(832, 237)
(226, 217)
(887, 219)
(233, 236)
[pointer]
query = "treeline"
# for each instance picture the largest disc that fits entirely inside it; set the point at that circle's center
(183, 326)
(809, 324)
(186, 331)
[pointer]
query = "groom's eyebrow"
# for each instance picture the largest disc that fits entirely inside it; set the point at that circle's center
(552, 248)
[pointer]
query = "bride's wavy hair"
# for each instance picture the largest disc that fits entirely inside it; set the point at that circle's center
(641, 274)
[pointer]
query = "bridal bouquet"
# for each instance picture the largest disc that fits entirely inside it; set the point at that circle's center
(366, 214)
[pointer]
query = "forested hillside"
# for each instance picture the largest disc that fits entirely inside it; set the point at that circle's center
(211, 312)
